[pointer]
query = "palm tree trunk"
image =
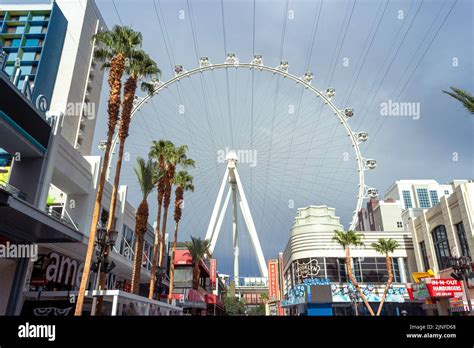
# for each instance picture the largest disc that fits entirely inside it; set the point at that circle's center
(112, 209)
(354, 281)
(388, 262)
(115, 85)
(173, 251)
(196, 275)
(156, 247)
(137, 264)
(163, 233)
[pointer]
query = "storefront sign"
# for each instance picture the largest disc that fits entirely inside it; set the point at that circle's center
(420, 291)
(213, 272)
(447, 287)
(273, 280)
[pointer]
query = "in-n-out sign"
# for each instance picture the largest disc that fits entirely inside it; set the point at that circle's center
(448, 287)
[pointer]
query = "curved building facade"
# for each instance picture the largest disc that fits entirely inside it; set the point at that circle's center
(313, 260)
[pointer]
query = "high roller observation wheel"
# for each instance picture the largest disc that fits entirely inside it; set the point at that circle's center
(343, 115)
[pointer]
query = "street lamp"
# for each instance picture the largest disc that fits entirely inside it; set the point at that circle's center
(462, 270)
(105, 240)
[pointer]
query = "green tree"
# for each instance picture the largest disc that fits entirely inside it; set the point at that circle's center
(234, 306)
(463, 96)
(346, 239)
(159, 151)
(146, 180)
(257, 310)
(386, 247)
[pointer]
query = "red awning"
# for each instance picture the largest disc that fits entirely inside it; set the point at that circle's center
(182, 257)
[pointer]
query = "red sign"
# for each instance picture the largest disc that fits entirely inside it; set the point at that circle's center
(447, 287)
(182, 257)
(213, 273)
(273, 280)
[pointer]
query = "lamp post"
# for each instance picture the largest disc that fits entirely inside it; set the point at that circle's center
(462, 270)
(354, 296)
(105, 240)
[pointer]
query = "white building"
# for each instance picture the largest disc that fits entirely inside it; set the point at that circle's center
(79, 76)
(418, 193)
(313, 257)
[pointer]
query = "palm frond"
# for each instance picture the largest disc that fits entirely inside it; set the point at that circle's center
(463, 96)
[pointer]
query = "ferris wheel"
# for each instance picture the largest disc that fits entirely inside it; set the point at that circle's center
(341, 119)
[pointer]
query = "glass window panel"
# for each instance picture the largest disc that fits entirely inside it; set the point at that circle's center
(407, 199)
(20, 29)
(28, 56)
(16, 43)
(12, 56)
(36, 29)
(441, 244)
(38, 18)
(423, 198)
(32, 43)
(434, 197)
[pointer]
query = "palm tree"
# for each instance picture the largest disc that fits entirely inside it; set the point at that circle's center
(197, 248)
(159, 152)
(115, 46)
(176, 156)
(385, 247)
(140, 66)
(463, 96)
(146, 180)
(183, 182)
(346, 240)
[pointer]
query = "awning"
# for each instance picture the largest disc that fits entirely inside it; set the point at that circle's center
(21, 222)
(182, 257)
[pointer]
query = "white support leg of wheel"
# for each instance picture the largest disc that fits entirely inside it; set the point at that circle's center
(262, 265)
(235, 234)
(219, 222)
(217, 206)
(231, 176)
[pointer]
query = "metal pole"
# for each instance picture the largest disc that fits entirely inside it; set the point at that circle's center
(97, 281)
(468, 295)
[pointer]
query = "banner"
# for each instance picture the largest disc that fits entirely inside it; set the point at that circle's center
(213, 272)
(273, 280)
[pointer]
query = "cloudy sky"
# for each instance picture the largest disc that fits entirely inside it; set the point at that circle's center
(376, 54)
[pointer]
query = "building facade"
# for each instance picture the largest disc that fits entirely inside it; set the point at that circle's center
(443, 231)
(51, 45)
(313, 263)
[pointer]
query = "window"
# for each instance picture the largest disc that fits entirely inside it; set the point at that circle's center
(462, 239)
(434, 197)
(12, 43)
(446, 192)
(20, 30)
(36, 29)
(126, 248)
(399, 224)
(424, 256)
(441, 244)
(29, 56)
(12, 56)
(423, 198)
(38, 18)
(407, 199)
(23, 18)
(26, 69)
(9, 70)
(32, 43)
